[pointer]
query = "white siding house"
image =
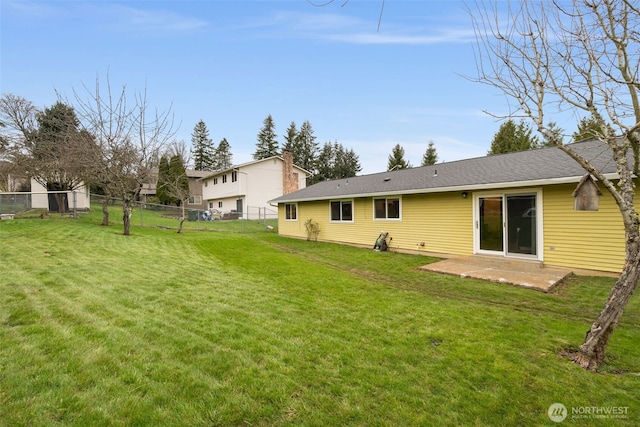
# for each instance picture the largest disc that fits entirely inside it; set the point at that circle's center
(244, 190)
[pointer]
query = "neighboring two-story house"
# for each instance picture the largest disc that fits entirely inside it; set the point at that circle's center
(244, 191)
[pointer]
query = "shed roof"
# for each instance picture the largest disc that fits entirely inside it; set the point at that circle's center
(525, 168)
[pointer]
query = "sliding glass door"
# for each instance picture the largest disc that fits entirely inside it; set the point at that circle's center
(491, 224)
(521, 224)
(507, 224)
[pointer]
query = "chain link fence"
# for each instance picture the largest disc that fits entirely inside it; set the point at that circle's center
(32, 204)
(165, 216)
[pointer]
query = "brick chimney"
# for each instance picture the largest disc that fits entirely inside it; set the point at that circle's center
(289, 178)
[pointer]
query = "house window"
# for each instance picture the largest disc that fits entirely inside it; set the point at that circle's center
(224, 178)
(195, 200)
(206, 183)
(220, 205)
(234, 176)
(210, 205)
(386, 208)
(291, 211)
(215, 181)
(342, 210)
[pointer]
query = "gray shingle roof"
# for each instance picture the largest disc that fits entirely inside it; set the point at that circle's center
(540, 166)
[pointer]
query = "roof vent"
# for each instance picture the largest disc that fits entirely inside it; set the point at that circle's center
(435, 172)
(387, 179)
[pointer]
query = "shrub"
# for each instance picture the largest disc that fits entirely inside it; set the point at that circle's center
(313, 229)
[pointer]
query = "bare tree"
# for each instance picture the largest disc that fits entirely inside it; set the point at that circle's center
(47, 146)
(17, 119)
(129, 139)
(581, 58)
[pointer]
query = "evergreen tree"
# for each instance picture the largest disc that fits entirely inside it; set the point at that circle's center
(430, 156)
(307, 148)
(173, 183)
(335, 162)
(162, 189)
(202, 148)
(556, 135)
(325, 164)
(290, 139)
(396, 159)
(57, 154)
(589, 128)
(223, 156)
(347, 163)
(179, 182)
(267, 145)
(513, 137)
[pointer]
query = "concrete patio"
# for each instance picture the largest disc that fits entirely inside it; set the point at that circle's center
(524, 273)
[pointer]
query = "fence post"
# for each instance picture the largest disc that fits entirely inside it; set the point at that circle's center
(75, 205)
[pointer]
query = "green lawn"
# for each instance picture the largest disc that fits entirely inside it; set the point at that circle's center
(214, 328)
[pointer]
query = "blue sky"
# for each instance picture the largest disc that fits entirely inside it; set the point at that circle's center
(231, 63)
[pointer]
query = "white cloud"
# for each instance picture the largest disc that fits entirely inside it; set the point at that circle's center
(30, 9)
(440, 37)
(131, 19)
(343, 28)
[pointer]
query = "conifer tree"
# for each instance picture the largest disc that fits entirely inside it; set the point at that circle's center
(430, 156)
(513, 137)
(396, 159)
(554, 136)
(223, 156)
(335, 162)
(325, 164)
(306, 148)
(590, 128)
(267, 145)
(202, 148)
(290, 139)
(179, 180)
(347, 163)
(173, 183)
(162, 190)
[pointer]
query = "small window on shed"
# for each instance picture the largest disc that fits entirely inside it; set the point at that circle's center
(587, 195)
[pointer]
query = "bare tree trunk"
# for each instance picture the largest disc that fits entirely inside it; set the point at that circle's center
(60, 198)
(105, 211)
(592, 351)
(182, 218)
(126, 217)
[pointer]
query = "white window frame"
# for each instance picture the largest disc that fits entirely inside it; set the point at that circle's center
(195, 200)
(342, 201)
(386, 208)
(287, 216)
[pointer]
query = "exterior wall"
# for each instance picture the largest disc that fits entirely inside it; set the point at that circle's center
(40, 200)
(582, 239)
(195, 189)
(257, 183)
(444, 222)
(228, 204)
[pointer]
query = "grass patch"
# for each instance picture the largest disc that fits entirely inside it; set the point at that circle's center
(208, 328)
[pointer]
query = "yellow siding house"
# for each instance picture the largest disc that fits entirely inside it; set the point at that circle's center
(536, 205)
